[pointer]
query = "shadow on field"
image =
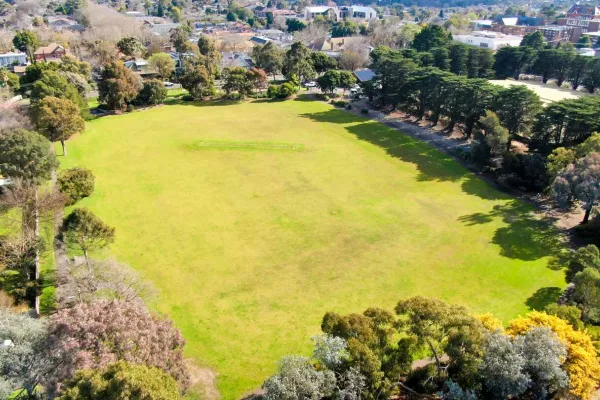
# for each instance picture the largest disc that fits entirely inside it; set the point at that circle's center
(525, 237)
(431, 163)
(544, 296)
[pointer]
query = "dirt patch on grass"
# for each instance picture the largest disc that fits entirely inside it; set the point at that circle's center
(203, 382)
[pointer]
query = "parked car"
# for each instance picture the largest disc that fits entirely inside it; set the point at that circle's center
(310, 84)
(168, 84)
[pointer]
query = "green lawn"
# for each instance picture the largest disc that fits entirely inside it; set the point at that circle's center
(255, 219)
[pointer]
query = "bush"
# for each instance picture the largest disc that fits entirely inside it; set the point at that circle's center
(339, 103)
(130, 107)
(282, 91)
(525, 171)
(76, 183)
(364, 111)
(187, 97)
(153, 92)
(348, 107)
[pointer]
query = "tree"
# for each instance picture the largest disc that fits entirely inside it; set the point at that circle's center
(544, 63)
(502, 368)
(76, 183)
(393, 75)
(329, 81)
(571, 314)
(322, 62)
(26, 155)
(294, 25)
(57, 119)
(444, 328)
(430, 37)
(297, 62)
(534, 40)
(176, 14)
(584, 42)
(343, 29)
(153, 92)
(130, 46)
(580, 181)
(121, 380)
(9, 79)
(26, 41)
(231, 17)
(94, 335)
(587, 294)
(297, 379)
(582, 258)
(179, 38)
(163, 64)
(258, 78)
(517, 106)
(581, 363)
(104, 279)
(209, 51)
(591, 79)
(54, 84)
(118, 87)
(459, 55)
(346, 80)
(577, 70)
(496, 136)
(24, 363)
(236, 80)
(196, 79)
(511, 61)
(85, 232)
(560, 159)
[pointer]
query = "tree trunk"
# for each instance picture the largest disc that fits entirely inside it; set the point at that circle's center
(437, 359)
(586, 217)
(36, 216)
(64, 147)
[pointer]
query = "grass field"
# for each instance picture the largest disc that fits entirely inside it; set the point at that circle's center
(254, 219)
(548, 92)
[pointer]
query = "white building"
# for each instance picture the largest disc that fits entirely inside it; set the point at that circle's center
(489, 40)
(340, 13)
(8, 59)
(161, 29)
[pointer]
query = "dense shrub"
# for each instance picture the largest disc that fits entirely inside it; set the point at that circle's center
(525, 171)
(364, 111)
(339, 103)
(76, 183)
(153, 92)
(283, 91)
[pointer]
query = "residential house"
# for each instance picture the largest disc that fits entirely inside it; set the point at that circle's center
(489, 40)
(52, 52)
(140, 67)
(360, 13)
(364, 75)
(334, 47)
(10, 58)
(236, 59)
(161, 29)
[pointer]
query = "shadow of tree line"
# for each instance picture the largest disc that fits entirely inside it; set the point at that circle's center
(525, 236)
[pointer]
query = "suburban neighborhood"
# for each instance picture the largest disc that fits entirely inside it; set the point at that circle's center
(299, 200)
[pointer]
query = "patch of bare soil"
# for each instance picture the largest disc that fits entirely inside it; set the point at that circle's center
(203, 382)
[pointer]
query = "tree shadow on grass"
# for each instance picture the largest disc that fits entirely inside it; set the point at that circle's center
(525, 236)
(432, 164)
(478, 187)
(543, 297)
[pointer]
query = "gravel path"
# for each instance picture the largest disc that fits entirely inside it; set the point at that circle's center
(440, 142)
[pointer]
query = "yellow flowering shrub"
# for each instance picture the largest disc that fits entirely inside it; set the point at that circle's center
(582, 363)
(490, 322)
